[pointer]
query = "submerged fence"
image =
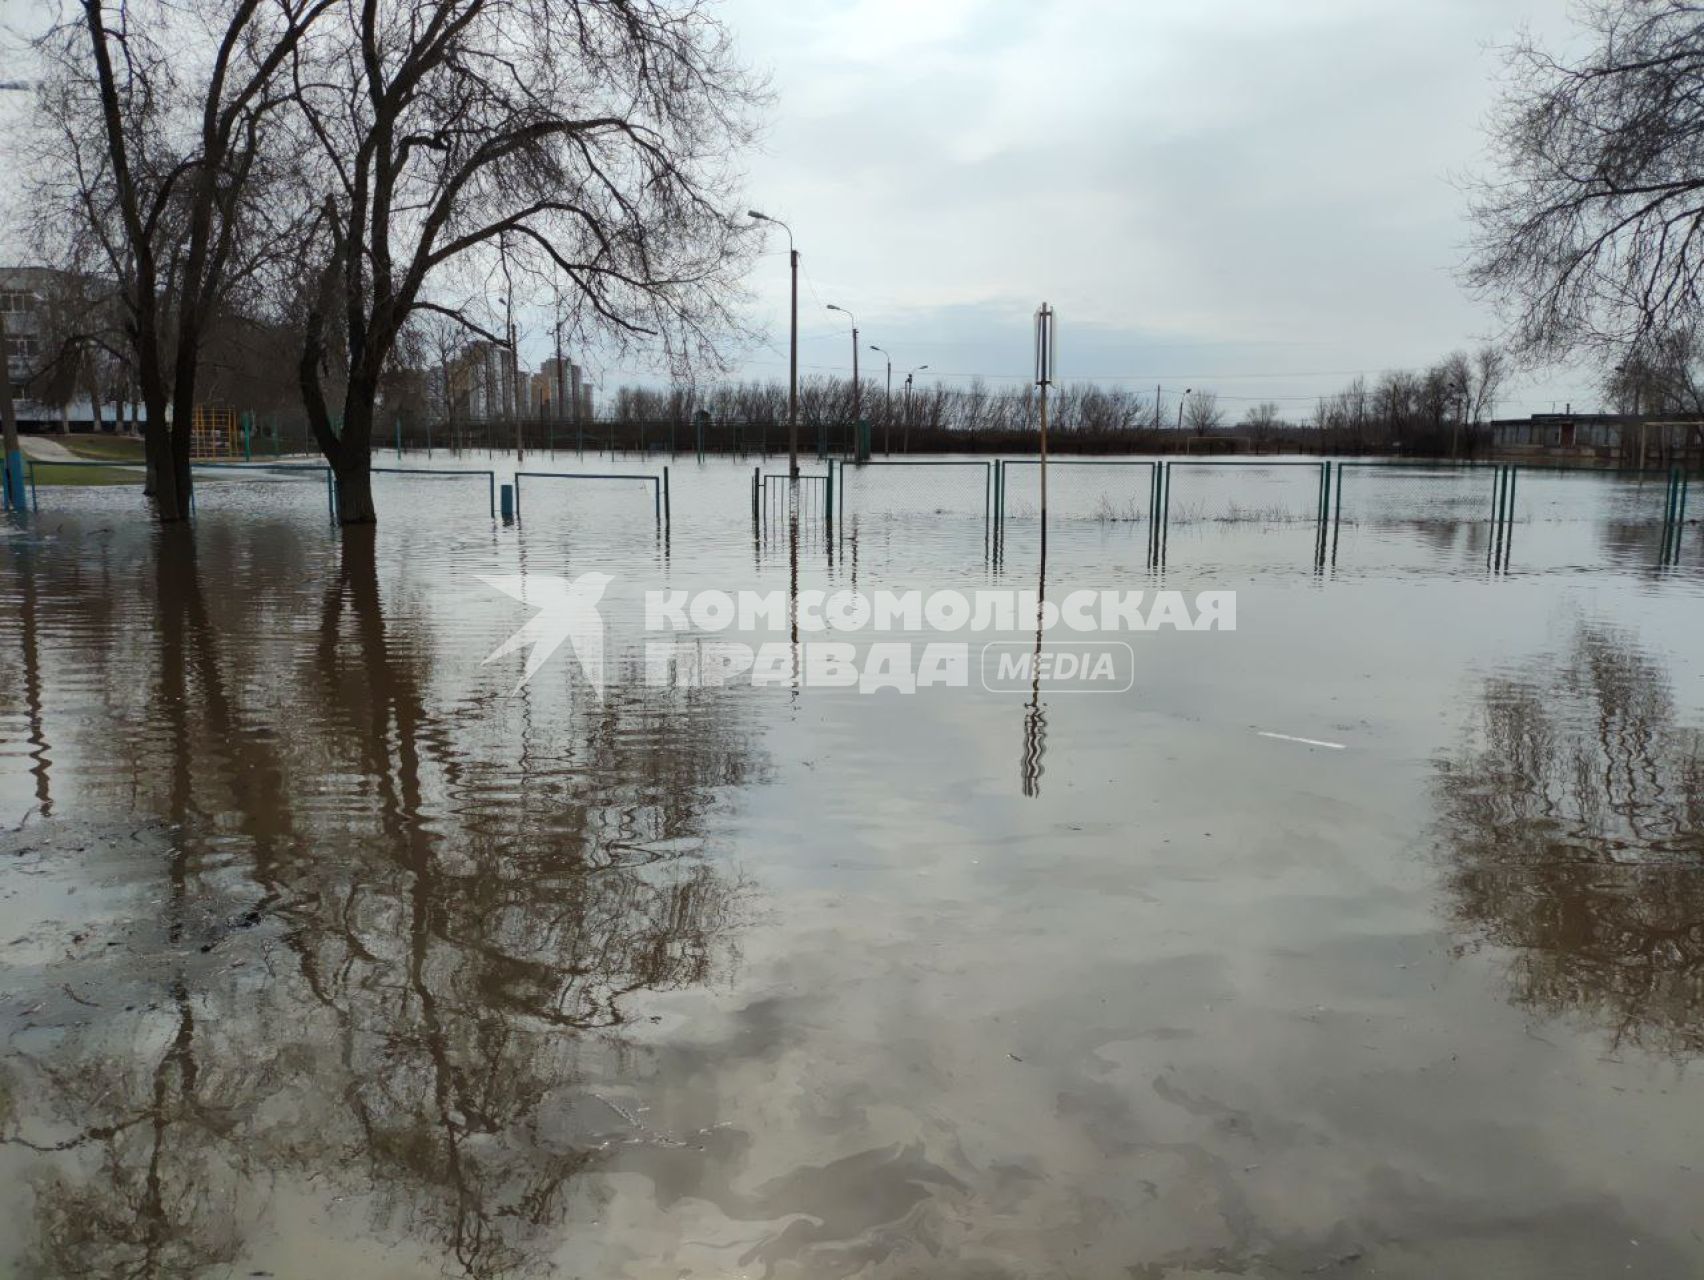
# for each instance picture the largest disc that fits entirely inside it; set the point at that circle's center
(1440, 504)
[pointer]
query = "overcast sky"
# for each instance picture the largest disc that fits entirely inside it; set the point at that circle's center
(1259, 197)
(1251, 196)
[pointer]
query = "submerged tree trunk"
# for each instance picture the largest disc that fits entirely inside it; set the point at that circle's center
(354, 482)
(157, 456)
(353, 467)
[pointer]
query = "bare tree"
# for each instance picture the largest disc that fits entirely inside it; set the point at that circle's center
(1592, 230)
(1490, 369)
(165, 113)
(1662, 374)
(589, 139)
(1202, 414)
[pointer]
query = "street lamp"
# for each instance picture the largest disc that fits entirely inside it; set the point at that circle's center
(854, 319)
(906, 446)
(887, 401)
(1180, 402)
(793, 358)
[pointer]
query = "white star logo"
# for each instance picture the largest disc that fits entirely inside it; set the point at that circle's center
(567, 610)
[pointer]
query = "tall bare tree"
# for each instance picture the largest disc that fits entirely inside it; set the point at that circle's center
(1591, 233)
(589, 140)
(165, 112)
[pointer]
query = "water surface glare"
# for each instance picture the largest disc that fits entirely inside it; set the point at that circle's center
(1364, 939)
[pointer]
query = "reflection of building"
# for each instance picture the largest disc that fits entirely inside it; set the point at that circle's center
(1620, 439)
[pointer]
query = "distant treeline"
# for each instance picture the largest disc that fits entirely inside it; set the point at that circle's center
(1438, 411)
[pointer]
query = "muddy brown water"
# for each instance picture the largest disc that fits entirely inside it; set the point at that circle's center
(330, 951)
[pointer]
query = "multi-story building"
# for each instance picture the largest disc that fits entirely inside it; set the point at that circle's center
(559, 383)
(21, 292)
(50, 386)
(485, 384)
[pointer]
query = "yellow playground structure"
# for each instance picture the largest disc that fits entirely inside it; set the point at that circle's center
(213, 433)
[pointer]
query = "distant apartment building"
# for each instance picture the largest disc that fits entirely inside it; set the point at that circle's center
(484, 383)
(50, 393)
(559, 389)
(21, 305)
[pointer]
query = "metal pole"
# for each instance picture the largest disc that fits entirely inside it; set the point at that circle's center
(856, 403)
(1165, 509)
(1337, 513)
(513, 396)
(13, 462)
(1679, 515)
(905, 435)
(561, 383)
(793, 369)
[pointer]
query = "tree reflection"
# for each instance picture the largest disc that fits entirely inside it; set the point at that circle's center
(1574, 829)
(449, 933)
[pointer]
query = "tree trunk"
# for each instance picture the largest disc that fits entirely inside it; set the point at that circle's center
(352, 467)
(161, 484)
(96, 415)
(180, 438)
(354, 482)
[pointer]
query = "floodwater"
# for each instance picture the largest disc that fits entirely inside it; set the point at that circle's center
(329, 949)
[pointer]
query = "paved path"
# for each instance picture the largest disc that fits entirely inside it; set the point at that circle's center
(45, 450)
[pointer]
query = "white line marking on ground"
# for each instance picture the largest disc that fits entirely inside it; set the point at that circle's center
(1311, 742)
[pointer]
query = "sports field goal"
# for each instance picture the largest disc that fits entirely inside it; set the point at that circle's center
(447, 491)
(1271, 492)
(1414, 495)
(611, 499)
(259, 487)
(1097, 490)
(894, 488)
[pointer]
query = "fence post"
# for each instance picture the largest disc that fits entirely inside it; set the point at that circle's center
(1679, 515)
